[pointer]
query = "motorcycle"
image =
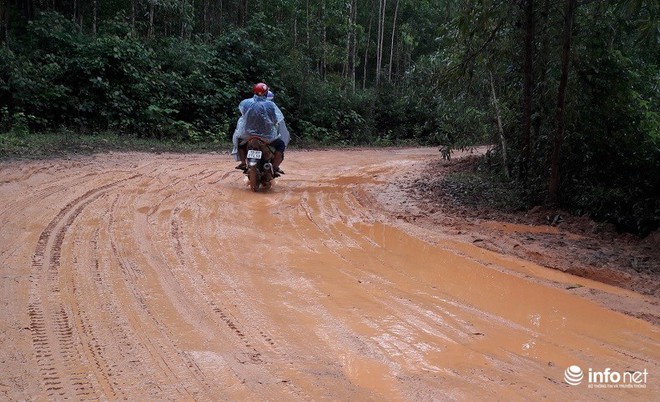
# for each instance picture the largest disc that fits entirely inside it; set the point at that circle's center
(259, 171)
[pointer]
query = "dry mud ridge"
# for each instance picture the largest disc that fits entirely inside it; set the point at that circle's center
(163, 277)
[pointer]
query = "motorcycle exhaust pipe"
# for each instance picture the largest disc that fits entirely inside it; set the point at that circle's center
(269, 166)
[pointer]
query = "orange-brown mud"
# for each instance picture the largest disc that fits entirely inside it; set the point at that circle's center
(163, 277)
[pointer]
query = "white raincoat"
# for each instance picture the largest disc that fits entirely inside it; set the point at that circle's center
(279, 129)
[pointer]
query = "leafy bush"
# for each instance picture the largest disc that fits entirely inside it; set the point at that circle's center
(187, 91)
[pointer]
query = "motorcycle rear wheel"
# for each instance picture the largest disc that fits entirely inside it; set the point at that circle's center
(266, 180)
(253, 178)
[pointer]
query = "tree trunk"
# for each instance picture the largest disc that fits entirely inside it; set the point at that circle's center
(324, 45)
(561, 102)
(381, 35)
(221, 17)
(152, 7)
(182, 24)
(244, 13)
(353, 47)
(344, 69)
(295, 31)
(27, 7)
(94, 16)
(528, 82)
(389, 70)
(349, 67)
(307, 23)
(187, 17)
(205, 17)
(133, 12)
(505, 162)
(4, 20)
(542, 68)
(366, 52)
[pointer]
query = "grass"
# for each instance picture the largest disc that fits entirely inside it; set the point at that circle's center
(25, 145)
(63, 143)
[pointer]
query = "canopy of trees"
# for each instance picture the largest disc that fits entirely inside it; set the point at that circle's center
(568, 90)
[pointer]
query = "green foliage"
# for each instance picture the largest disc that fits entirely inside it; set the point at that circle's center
(15, 124)
(324, 111)
(612, 157)
(185, 90)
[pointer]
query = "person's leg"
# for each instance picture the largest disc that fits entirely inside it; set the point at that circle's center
(242, 155)
(277, 159)
(279, 155)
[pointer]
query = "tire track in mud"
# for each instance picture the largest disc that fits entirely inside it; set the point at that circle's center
(125, 343)
(95, 348)
(194, 259)
(12, 208)
(56, 342)
(149, 334)
(339, 213)
(162, 345)
(230, 321)
(33, 196)
(247, 331)
(130, 355)
(314, 218)
(340, 217)
(398, 319)
(225, 316)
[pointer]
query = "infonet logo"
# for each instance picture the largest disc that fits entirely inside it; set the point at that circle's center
(573, 375)
(607, 378)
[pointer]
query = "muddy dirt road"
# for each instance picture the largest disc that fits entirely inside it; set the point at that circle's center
(163, 277)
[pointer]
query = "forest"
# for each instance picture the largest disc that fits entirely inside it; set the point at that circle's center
(565, 91)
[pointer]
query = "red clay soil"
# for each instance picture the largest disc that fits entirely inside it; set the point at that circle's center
(132, 276)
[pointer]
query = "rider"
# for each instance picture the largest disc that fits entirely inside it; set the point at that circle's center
(281, 127)
(262, 118)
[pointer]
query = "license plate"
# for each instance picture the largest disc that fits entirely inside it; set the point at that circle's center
(254, 154)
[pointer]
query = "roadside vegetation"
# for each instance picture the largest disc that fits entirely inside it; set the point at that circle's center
(64, 143)
(567, 91)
